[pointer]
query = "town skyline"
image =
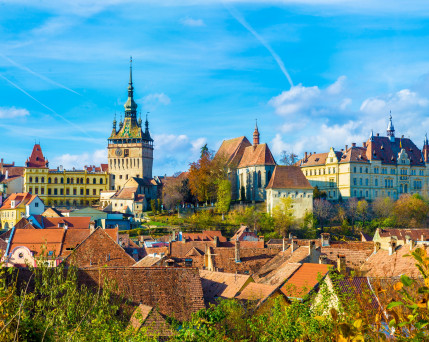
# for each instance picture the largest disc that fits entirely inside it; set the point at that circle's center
(206, 72)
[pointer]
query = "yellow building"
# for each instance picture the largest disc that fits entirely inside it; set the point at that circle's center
(17, 206)
(381, 167)
(58, 187)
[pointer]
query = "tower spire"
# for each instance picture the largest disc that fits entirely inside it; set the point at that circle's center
(146, 124)
(130, 105)
(391, 129)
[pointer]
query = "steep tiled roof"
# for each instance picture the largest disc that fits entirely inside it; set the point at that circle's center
(99, 249)
(21, 199)
(278, 276)
(70, 222)
(314, 159)
(257, 155)
(304, 280)
(256, 292)
(149, 318)
(37, 240)
(175, 292)
(125, 193)
(288, 177)
(221, 285)
(13, 171)
(36, 159)
(232, 150)
(400, 233)
(73, 238)
(355, 253)
(148, 261)
(251, 259)
(205, 235)
(381, 264)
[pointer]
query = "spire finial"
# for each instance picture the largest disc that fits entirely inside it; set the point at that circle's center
(131, 70)
(147, 123)
(256, 135)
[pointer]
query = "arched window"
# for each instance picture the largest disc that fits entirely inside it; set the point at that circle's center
(62, 180)
(37, 180)
(259, 179)
(77, 180)
(101, 180)
(55, 180)
(87, 181)
(68, 180)
(81, 181)
(43, 179)
(49, 180)
(94, 181)
(71, 180)
(31, 180)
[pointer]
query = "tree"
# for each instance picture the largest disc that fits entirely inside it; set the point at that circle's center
(383, 207)
(322, 210)
(283, 215)
(362, 210)
(171, 193)
(317, 194)
(204, 151)
(153, 205)
(352, 210)
(411, 211)
(223, 196)
(288, 158)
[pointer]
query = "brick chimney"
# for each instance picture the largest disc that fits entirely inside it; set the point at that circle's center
(325, 239)
(305, 155)
(346, 147)
(237, 251)
(377, 247)
(284, 245)
(322, 259)
(341, 263)
(392, 246)
(216, 241)
(91, 227)
(353, 144)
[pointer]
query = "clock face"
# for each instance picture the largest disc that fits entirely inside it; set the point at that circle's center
(118, 152)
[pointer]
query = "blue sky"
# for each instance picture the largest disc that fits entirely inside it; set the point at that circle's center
(205, 72)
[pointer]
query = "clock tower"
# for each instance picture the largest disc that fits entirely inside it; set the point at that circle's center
(130, 149)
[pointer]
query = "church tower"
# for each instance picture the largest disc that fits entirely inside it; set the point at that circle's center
(130, 149)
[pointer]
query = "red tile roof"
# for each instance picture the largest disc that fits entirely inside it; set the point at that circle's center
(70, 222)
(232, 150)
(37, 160)
(304, 280)
(415, 234)
(257, 155)
(38, 240)
(21, 199)
(288, 177)
(256, 292)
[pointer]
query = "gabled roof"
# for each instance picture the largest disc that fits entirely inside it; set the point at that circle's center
(288, 177)
(232, 150)
(414, 234)
(221, 285)
(127, 193)
(99, 249)
(257, 155)
(149, 261)
(38, 240)
(21, 200)
(37, 160)
(256, 292)
(52, 212)
(355, 252)
(148, 317)
(304, 279)
(175, 292)
(55, 222)
(72, 239)
(205, 235)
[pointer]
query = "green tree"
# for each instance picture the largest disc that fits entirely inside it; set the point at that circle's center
(153, 206)
(223, 197)
(362, 211)
(317, 194)
(283, 215)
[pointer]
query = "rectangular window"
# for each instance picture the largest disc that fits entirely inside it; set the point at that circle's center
(94, 192)
(87, 192)
(354, 181)
(62, 191)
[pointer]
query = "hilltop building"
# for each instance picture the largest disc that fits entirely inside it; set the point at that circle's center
(249, 166)
(130, 149)
(382, 167)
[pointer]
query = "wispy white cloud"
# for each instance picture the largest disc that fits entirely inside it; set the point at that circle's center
(152, 100)
(78, 161)
(12, 112)
(192, 22)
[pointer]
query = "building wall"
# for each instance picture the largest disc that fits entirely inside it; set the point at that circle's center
(12, 186)
(129, 160)
(367, 180)
(302, 200)
(67, 187)
(36, 207)
(248, 177)
(10, 217)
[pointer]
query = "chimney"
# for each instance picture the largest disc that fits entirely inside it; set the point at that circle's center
(325, 239)
(237, 251)
(392, 246)
(377, 247)
(216, 241)
(347, 146)
(422, 238)
(407, 239)
(378, 134)
(173, 235)
(364, 144)
(91, 227)
(322, 259)
(305, 155)
(311, 249)
(353, 144)
(284, 245)
(293, 246)
(7, 174)
(341, 263)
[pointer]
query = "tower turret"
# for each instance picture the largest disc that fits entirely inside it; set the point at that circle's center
(391, 129)
(425, 150)
(256, 135)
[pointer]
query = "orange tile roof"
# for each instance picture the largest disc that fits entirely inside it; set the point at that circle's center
(232, 150)
(37, 240)
(221, 285)
(71, 222)
(255, 291)
(73, 238)
(401, 233)
(257, 155)
(304, 279)
(21, 199)
(288, 177)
